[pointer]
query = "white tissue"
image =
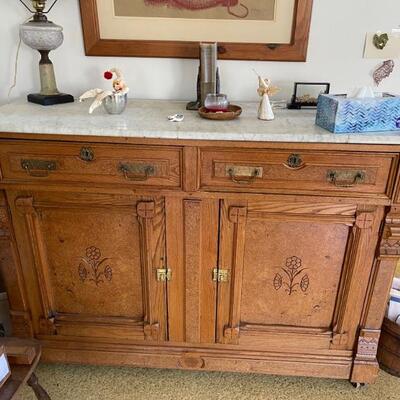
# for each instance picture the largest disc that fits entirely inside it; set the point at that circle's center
(393, 312)
(396, 283)
(364, 92)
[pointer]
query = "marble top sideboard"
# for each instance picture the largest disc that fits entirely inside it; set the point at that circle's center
(148, 119)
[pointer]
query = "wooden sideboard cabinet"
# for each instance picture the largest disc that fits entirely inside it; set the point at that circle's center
(257, 257)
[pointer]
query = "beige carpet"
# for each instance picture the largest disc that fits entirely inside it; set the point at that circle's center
(65, 382)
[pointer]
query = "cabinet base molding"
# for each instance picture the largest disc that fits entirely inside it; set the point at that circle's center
(187, 358)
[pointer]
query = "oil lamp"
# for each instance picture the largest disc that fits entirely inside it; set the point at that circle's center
(43, 35)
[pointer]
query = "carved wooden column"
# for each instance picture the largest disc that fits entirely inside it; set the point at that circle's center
(25, 205)
(153, 291)
(11, 274)
(365, 365)
(237, 217)
(358, 268)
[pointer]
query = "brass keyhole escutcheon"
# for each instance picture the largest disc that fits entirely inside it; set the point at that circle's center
(86, 154)
(294, 161)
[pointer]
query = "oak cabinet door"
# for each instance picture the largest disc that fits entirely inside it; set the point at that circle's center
(92, 262)
(296, 274)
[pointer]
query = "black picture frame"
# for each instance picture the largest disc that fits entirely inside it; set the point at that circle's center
(295, 104)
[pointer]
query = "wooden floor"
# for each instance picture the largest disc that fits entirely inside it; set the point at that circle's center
(106, 383)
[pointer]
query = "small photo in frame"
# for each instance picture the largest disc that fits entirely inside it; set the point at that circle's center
(306, 94)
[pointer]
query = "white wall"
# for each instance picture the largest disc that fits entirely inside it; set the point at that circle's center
(335, 54)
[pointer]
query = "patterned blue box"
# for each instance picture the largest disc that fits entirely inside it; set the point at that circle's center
(340, 114)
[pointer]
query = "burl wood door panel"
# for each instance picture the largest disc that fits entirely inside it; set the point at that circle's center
(297, 273)
(91, 262)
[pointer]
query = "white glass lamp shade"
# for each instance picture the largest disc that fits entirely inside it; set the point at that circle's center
(41, 35)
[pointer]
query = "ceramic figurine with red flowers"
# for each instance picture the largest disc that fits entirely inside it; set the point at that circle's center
(114, 101)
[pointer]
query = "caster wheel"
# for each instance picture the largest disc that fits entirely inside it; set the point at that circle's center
(358, 385)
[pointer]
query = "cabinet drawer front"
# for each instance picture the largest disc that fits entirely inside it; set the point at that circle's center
(127, 165)
(268, 170)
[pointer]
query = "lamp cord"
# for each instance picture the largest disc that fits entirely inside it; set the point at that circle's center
(14, 84)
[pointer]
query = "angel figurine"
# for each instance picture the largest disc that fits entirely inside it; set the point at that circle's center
(118, 84)
(265, 90)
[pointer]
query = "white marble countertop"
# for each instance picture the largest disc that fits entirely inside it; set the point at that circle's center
(148, 119)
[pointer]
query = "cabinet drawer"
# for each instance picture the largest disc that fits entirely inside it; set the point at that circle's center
(277, 171)
(105, 164)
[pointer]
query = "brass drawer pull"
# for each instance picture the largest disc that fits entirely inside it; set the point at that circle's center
(137, 172)
(86, 154)
(38, 168)
(345, 179)
(244, 175)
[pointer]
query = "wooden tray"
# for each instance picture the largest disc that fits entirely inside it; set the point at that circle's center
(232, 113)
(389, 348)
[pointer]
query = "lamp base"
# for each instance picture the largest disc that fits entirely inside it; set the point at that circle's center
(44, 100)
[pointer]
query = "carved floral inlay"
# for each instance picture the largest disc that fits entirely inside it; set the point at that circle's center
(293, 277)
(94, 268)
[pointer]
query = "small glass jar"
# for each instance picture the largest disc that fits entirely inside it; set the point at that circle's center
(216, 102)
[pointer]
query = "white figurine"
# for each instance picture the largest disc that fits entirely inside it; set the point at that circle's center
(265, 90)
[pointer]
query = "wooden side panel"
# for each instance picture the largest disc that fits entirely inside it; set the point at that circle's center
(366, 367)
(192, 253)
(11, 274)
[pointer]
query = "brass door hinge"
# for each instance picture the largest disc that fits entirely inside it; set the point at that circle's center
(220, 275)
(164, 274)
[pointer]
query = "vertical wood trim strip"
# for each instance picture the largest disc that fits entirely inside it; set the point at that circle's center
(193, 262)
(175, 258)
(209, 260)
(190, 169)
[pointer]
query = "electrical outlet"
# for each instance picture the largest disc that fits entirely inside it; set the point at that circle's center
(391, 50)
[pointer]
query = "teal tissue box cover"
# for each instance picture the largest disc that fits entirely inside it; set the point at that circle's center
(340, 114)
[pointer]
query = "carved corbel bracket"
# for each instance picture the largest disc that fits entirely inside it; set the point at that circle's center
(339, 340)
(231, 335)
(364, 220)
(152, 331)
(390, 243)
(47, 326)
(145, 209)
(25, 205)
(235, 214)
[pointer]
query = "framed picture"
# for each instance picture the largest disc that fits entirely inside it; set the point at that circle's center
(306, 94)
(274, 30)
